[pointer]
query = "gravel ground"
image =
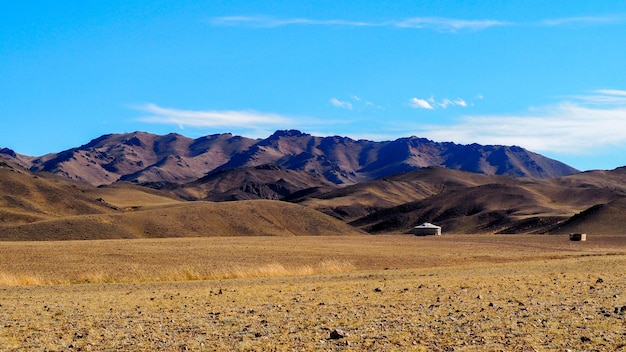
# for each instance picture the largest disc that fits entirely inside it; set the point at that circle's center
(576, 304)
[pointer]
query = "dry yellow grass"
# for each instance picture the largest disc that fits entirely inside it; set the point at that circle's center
(63, 262)
(393, 293)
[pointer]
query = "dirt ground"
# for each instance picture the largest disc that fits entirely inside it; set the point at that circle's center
(459, 293)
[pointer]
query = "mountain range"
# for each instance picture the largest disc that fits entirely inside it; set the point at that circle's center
(141, 157)
(127, 185)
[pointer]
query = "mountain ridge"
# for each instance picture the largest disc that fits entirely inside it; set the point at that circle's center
(142, 157)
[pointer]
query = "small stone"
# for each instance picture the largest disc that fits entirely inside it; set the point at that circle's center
(599, 281)
(378, 289)
(585, 339)
(337, 334)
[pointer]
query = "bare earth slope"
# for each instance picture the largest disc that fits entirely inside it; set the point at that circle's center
(465, 202)
(48, 207)
(146, 158)
(267, 181)
(25, 197)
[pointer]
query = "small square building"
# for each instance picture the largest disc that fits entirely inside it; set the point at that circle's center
(577, 236)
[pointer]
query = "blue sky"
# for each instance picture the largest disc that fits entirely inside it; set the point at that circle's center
(545, 75)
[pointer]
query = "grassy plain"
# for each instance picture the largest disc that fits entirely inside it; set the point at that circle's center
(392, 292)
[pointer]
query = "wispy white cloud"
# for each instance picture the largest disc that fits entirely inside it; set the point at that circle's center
(247, 119)
(431, 103)
(603, 97)
(420, 104)
(434, 23)
(355, 102)
(448, 24)
(447, 102)
(440, 24)
(573, 126)
(271, 22)
(341, 104)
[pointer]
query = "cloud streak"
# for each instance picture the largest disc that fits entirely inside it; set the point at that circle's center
(434, 23)
(248, 119)
(354, 103)
(447, 24)
(439, 24)
(576, 126)
(272, 22)
(431, 103)
(340, 104)
(420, 104)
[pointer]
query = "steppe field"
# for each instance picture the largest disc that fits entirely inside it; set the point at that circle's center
(335, 293)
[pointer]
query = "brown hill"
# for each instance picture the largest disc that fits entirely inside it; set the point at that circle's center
(146, 158)
(10, 157)
(49, 207)
(26, 198)
(601, 218)
(465, 202)
(267, 181)
(189, 219)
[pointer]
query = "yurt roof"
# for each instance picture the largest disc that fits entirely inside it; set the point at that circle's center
(427, 225)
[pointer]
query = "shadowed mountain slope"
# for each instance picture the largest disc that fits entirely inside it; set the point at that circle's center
(267, 181)
(146, 158)
(600, 218)
(463, 202)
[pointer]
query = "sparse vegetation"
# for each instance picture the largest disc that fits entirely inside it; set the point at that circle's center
(468, 293)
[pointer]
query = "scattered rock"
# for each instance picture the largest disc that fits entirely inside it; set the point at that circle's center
(337, 334)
